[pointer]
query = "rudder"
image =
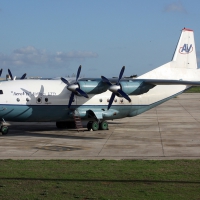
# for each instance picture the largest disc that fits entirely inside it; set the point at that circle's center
(185, 53)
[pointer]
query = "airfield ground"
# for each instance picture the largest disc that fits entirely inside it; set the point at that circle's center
(169, 131)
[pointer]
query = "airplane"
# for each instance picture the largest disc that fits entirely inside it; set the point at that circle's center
(96, 100)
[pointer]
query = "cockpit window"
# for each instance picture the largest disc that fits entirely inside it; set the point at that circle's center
(1, 91)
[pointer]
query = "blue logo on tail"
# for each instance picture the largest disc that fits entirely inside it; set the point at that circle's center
(185, 49)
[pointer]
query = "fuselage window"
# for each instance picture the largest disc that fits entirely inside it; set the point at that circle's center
(1, 91)
(39, 100)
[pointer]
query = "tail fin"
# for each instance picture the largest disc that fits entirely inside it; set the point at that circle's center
(185, 53)
(183, 64)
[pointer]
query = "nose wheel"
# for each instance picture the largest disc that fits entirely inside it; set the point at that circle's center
(4, 129)
(95, 125)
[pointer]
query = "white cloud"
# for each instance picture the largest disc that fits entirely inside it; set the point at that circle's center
(175, 7)
(30, 56)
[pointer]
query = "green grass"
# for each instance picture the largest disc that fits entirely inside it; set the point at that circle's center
(195, 89)
(127, 179)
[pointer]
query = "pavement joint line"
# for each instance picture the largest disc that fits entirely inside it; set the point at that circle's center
(160, 133)
(105, 142)
(47, 143)
(187, 111)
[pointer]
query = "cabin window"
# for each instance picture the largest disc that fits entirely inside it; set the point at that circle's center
(27, 99)
(46, 99)
(39, 100)
(1, 91)
(18, 99)
(100, 100)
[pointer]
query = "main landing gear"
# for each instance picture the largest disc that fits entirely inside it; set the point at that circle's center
(95, 125)
(63, 125)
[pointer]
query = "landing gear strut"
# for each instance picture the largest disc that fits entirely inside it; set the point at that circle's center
(95, 125)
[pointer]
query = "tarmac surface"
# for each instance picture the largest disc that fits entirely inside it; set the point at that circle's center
(169, 131)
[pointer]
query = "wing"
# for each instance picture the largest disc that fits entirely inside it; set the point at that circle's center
(171, 82)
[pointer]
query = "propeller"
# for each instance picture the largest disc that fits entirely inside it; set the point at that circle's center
(74, 88)
(116, 88)
(10, 74)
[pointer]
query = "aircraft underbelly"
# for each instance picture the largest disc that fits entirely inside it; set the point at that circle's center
(34, 113)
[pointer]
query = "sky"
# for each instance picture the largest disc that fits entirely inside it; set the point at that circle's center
(51, 38)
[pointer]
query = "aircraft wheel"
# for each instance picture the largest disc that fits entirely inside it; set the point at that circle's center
(4, 130)
(61, 125)
(103, 125)
(70, 124)
(89, 126)
(95, 126)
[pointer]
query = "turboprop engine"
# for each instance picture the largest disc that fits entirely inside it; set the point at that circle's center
(93, 86)
(124, 88)
(135, 87)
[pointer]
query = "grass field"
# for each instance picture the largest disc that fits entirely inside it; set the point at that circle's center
(64, 179)
(193, 90)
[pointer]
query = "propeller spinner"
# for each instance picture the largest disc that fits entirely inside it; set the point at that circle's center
(74, 88)
(116, 88)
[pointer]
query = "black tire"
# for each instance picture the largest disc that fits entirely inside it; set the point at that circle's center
(103, 125)
(61, 125)
(89, 126)
(4, 130)
(95, 126)
(70, 124)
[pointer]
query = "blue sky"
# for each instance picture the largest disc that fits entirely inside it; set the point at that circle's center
(51, 38)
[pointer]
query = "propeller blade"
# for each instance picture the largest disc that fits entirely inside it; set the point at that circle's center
(10, 74)
(1, 71)
(106, 80)
(65, 81)
(82, 93)
(123, 94)
(78, 73)
(23, 77)
(121, 74)
(71, 100)
(111, 100)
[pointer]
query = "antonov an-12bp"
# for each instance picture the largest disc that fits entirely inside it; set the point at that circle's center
(99, 99)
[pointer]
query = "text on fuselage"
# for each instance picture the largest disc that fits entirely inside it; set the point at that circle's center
(33, 93)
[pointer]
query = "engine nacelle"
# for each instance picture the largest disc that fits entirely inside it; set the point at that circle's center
(135, 87)
(93, 87)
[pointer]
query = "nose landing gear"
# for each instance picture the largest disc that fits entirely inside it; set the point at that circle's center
(3, 127)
